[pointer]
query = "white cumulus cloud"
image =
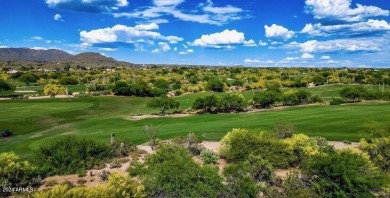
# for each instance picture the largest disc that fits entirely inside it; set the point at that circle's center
(278, 32)
(307, 56)
(57, 17)
(223, 39)
(371, 26)
(125, 34)
(342, 10)
(147, 27)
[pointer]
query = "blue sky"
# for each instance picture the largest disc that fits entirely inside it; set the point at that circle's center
(323, 33)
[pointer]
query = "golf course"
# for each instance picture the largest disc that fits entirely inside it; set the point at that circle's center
(36, 121)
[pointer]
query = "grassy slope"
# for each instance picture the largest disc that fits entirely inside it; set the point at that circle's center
(35, 121)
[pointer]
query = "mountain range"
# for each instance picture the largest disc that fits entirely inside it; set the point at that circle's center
(51, 55)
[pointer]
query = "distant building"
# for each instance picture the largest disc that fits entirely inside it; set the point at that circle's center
(12, 71)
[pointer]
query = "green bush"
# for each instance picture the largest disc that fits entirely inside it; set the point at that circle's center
(238, 181)
(215, 84)
(122, 147)
(342, 174)
(353, 94)
(336, 101)
(16, 173)
(70, 154)
(239, 144)
(379, 151)
(208, 156)
(4, 86)
(171, 172)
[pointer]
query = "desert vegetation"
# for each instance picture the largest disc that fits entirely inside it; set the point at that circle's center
(265, 120)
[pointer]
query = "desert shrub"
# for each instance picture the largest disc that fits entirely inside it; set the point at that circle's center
(208, 156)
(303, 96)
(321, 141)
(283, 130)
(69, 154)
(302, 146)
(342, 174)
(118, 186)
(81, 173)
(315, 99)
(336, 101)
(115, 164)
(376, 129)
(290, 98)
(297, 185)
(260, 169)
(104, 175)
(164, 175)
(239, 182)
(353, 94)
(15, 173)
(239, 144)
(136, 169)
(122, 147)
(191, 142)
(379, 151)
(81, 181)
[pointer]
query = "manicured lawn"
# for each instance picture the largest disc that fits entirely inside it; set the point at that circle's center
(35, 121)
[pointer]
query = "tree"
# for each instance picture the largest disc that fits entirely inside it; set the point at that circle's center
(353, 94)
(283, 130)
(164, 103)
(4, 86)
(207, 103)
(68, 80)
(232, 102)
(152, 133)
(290, 98)
(215, 84)
(52, 90)
(28, 78)
(303, 96)
(121, 88)
(171, 172)
(161, 84)
(266, 99)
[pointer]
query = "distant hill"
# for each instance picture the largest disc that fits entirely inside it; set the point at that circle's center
(26, 54)
(91, 57)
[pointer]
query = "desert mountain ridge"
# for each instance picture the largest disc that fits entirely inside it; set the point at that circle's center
(51, 55)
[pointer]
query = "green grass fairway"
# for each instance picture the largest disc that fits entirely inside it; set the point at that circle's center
(35, 121)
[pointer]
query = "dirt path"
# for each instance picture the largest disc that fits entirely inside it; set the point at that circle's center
(159, 116)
